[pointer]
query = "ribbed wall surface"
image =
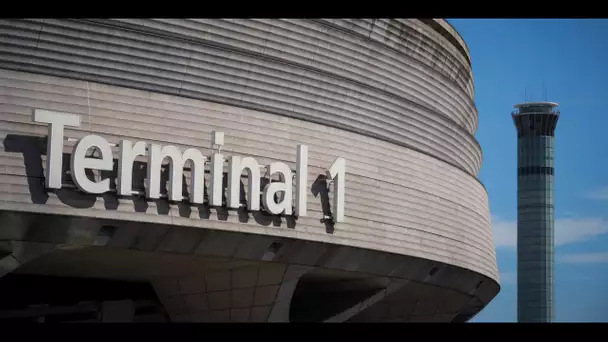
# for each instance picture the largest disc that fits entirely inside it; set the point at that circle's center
(398, 81)
(393, 93)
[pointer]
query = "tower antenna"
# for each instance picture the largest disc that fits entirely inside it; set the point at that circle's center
(543, 91)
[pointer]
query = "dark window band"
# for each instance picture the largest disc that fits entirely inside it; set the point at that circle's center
(535, 206)
(535, 125)
(534, 170)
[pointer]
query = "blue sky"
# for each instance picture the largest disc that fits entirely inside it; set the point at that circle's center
(571, 58)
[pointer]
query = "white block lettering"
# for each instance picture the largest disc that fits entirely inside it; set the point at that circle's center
(54, 146)
(336, 173)
(127, 156)
(177, 160)
(284, 185)
(80, 162)
(235, 169)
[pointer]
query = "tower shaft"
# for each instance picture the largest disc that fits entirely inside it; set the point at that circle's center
(535, 123)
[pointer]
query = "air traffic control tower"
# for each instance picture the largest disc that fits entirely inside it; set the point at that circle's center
(535, 123)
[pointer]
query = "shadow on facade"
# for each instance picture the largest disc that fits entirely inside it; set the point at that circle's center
(320, 189)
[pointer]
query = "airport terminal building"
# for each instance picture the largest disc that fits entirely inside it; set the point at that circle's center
(207, 170)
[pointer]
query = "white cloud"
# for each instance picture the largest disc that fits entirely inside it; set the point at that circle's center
(508, 278)
(598, 194)
(504, 232)
(567, 231)
(571, 230)
(584, 258)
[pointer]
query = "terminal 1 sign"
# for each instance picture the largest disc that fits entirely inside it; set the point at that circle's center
(155, 153)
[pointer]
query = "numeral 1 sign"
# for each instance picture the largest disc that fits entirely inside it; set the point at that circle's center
(336, 173)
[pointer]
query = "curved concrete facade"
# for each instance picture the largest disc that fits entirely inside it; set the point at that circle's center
(394, 98)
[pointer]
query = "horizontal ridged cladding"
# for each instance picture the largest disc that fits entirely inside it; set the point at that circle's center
(452, 31)
(412, 204)
(322, 77)
(337, 53)
(414, 40)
